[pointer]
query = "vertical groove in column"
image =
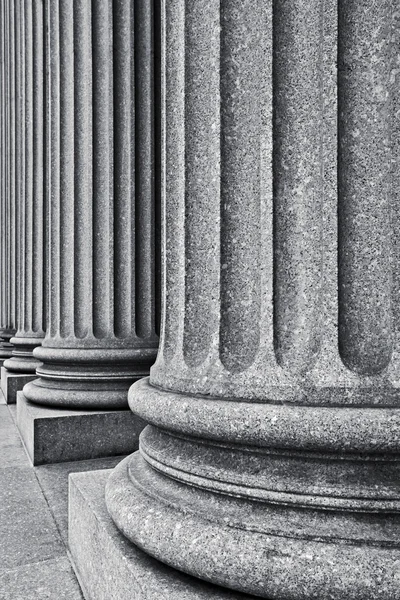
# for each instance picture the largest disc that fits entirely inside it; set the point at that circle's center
(2, 155)
(12, 152)
(102, 169)
(124, 165)
(20, 17)
(28, 207)
(7, 187)
(47, 162)
(19, 155)
(144, 170)
(83, 169)
(67, 169)
(364, 237)
(3, 284)
(54, 140)
(395, 163)
(174, 160)
(158, 167)
(7, 159)
(202, 176)
(297, 181)
(242, 56)
(37, 324)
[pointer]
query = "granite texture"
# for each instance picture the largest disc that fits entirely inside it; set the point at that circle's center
(53, 480)
(28, 530)
(11, 383)
(102, 308)
(8, 179)
(270, 297)
(47, 580)
(11, 449)
(52, 435)
(270, 465)
(109, 567)
(259, 548)
(31, 195)
(33, 558)
(29, 534)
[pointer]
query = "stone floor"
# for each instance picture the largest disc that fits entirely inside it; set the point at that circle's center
(34, 559)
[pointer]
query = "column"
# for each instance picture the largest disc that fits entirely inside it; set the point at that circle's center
(102, 314)
(30, 196)
(8, 188)
(271, 462)
(30, 182)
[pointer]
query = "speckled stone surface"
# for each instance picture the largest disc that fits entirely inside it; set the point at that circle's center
(103, 303)
(53, 480)
(278, 300)
(8, 178)
(52, 435)
(33, 558)
(31, 193)
(273, 464)
(109, 566)
(267, 549)
(11, 383)
(50, 580)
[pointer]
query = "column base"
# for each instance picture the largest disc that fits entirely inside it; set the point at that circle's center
(11, 383)
(109, 566)
(261, 547)
(53, 435)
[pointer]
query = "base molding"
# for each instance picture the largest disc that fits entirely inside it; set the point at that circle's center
(109, 566)
(11, 383)
(270, 550)
(53, 435)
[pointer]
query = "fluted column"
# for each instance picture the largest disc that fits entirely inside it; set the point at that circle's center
(271, 462)
(30, 179)
(102, 308)
(8, 180)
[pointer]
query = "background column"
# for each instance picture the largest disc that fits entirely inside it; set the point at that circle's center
(8, 187)
(102, 332)
(271, 462)
(31, 197)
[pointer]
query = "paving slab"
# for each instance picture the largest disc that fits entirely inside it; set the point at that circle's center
(34, 563)
(48, 580)
(54, 483)
(12, 452)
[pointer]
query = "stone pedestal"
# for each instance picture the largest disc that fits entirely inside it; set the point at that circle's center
(11, 383)
(53, 435)
(101, 334)
(109, 566)
(271, 465)
(31, 199)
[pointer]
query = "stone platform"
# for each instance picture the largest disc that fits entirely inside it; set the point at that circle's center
(109, 566)
(11, 383)
(53, 435)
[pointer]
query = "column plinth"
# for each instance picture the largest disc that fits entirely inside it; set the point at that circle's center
(271, 462)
